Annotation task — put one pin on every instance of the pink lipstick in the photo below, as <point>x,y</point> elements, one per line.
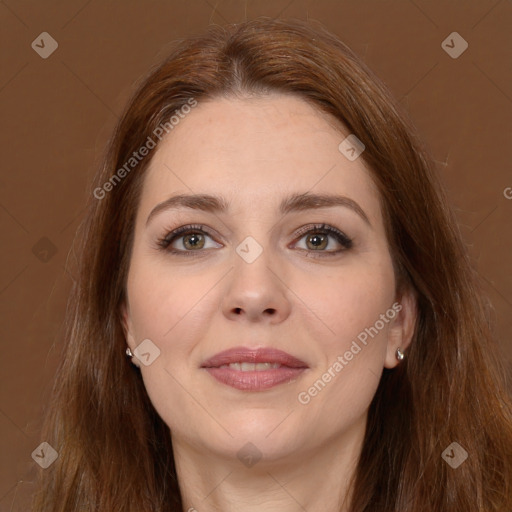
<point>254,369</point>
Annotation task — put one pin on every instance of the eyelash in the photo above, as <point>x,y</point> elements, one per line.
<point>341,238</point>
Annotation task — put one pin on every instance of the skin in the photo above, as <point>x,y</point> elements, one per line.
<point>254,151</point>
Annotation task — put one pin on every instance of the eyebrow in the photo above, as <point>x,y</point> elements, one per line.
<point>293,203</point>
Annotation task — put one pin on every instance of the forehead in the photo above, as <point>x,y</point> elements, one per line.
<point>255,151</point>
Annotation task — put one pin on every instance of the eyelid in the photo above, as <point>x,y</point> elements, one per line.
<point>345,241</point>
<point>177,233</point>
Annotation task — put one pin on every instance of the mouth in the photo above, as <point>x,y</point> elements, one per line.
<point>254,369</point>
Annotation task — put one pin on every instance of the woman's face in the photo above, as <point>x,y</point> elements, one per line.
<point>261,274</point>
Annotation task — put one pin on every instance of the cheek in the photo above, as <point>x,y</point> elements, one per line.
<point>348,301</point>
<point>161,299</point>
<point>352,305</point>
<point>173,309</point>
<point>169,310</point>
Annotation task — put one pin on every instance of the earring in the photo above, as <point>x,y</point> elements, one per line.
<point>130,354</point>
<point>399,354</point>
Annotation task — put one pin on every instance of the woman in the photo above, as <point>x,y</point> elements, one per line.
<point>269,245</point>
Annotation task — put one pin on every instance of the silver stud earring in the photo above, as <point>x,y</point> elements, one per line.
<point>129,352</point>
<point>399,354</point>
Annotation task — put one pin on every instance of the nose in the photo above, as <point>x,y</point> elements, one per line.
<point>257,291</point>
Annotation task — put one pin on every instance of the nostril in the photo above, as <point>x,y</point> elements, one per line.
<point>268,311</point>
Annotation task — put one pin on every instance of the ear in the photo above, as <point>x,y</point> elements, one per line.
<point>402,327</point>
<point>126,322</point>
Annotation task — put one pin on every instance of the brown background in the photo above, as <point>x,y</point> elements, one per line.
<point>58,112</point>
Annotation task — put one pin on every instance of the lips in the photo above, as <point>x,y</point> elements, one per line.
<point>261,355</point>
<point>254,369</point>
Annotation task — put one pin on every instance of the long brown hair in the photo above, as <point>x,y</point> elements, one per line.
<point>115,452</point>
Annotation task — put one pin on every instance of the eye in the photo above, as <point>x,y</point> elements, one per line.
<point>190,240</point>
<point>317,239</point>
<point>186,240</point>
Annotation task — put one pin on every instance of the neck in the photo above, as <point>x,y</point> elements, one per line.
<point>317,479</point>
